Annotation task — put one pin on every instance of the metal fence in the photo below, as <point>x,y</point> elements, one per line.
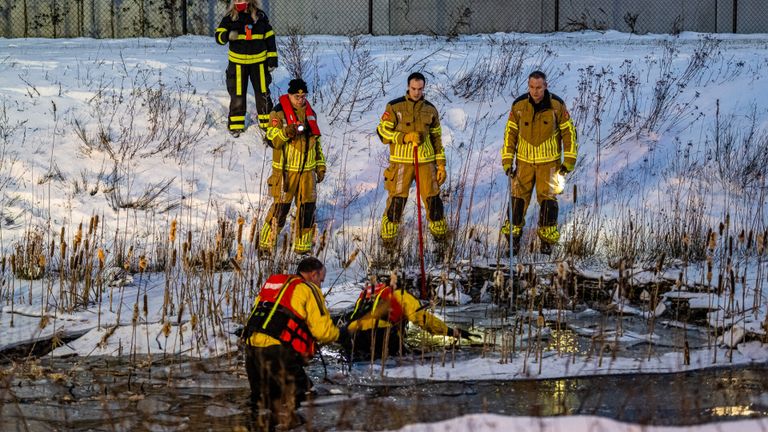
<point>158,18</point>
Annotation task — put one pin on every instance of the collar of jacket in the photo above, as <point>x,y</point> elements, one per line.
<point>545,104</point>
<point>421,99</point>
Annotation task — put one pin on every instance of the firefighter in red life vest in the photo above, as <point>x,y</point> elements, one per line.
<point>377,324</point>
<point>252,57</point>
<point>298,165</point>
<point>289,319</point>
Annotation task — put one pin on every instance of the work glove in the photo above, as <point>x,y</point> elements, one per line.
<point>509,170</point>
<point>565,168</point>
<point>465,334</point>
<point>320,174</point>
<point>233,34</point>
<point>441,175</point>
<point>290,130</point>
<point>345,339</point>
<point>412,138</point>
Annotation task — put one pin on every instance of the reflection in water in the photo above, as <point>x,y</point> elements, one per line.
<point>99,394</point>
<point>564,342</point>
<point>735,411</point>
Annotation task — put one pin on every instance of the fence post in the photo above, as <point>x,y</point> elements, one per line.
<point>370,17</point>
<point>735,15</point>
<point>184,17</point>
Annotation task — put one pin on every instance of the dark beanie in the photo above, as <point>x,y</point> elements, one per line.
<point>297,86</point>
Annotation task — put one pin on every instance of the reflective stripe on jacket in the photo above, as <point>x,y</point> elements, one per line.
<point>301,153</point>
<point>255,41</point>
<point>305,302</point>
<point>403,115</point>
<point>541,133</point>
<point>385,313</point>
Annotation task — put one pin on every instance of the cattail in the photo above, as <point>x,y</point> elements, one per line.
<point>41,261</point>
<point>240,222</point>
<point>166,328</point>
<point>252,234</point>
<point>78,235</point>
<point>713,240</point>
<point>13,263</point>
<point>135,317</point>
<point>172,235</point>
<point>323,240</point>
<point>52,248</point>
<point>760,244</point>
<point>189,238</point>
<point>173,258</point>
<point>95,222</point>
<point>101,256</point>
<point>61,235</point>
<point>240,251</point>
<point>193,321</point>
<point>143,263</point>
<point>351,258</point>
<point>145,309</point>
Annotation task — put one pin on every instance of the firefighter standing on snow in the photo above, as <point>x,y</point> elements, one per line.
<point>289,318</point>
<point>408,121</point>
<point>298,165</point>
<point>252,56</point>
<point>541,138</point>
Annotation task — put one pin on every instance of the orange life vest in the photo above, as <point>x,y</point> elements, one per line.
<point>369,300</point>
<point>273,315</point>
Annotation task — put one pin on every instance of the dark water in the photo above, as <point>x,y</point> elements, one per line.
<point>109,395</point>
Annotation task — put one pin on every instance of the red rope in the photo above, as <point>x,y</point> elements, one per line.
<point>421,236</point>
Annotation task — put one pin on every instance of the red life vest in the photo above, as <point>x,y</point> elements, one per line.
<point>273,315</point>
<point>290,115</point>
<point>369,300</point>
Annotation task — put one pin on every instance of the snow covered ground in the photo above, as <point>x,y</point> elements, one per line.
<point>672,143</point>
<point>492,422</point>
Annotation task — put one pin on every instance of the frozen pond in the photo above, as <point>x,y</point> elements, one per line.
<point>107,394</point>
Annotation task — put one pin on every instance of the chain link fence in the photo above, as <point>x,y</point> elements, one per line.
<point>163,18</point>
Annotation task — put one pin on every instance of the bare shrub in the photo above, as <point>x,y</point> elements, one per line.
<point>358,74</point>
<point>295,54</point>
<point>149,199</point>
<point>499,72</point>
<point>586,21</point>
<point>741,161</point>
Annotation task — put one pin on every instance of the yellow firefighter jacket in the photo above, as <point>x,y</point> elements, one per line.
<point>411,310</point>
<point>308,303</point>
<point>404,115</point>
<point>539,133</point>
<point>301,153</point>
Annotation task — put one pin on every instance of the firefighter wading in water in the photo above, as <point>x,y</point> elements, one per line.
<point>298,165</point>
<point>541,136</point>
<point>289,318</point>
<point>252,56</point>
<point>377,324</point>
<point>408,121</point>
